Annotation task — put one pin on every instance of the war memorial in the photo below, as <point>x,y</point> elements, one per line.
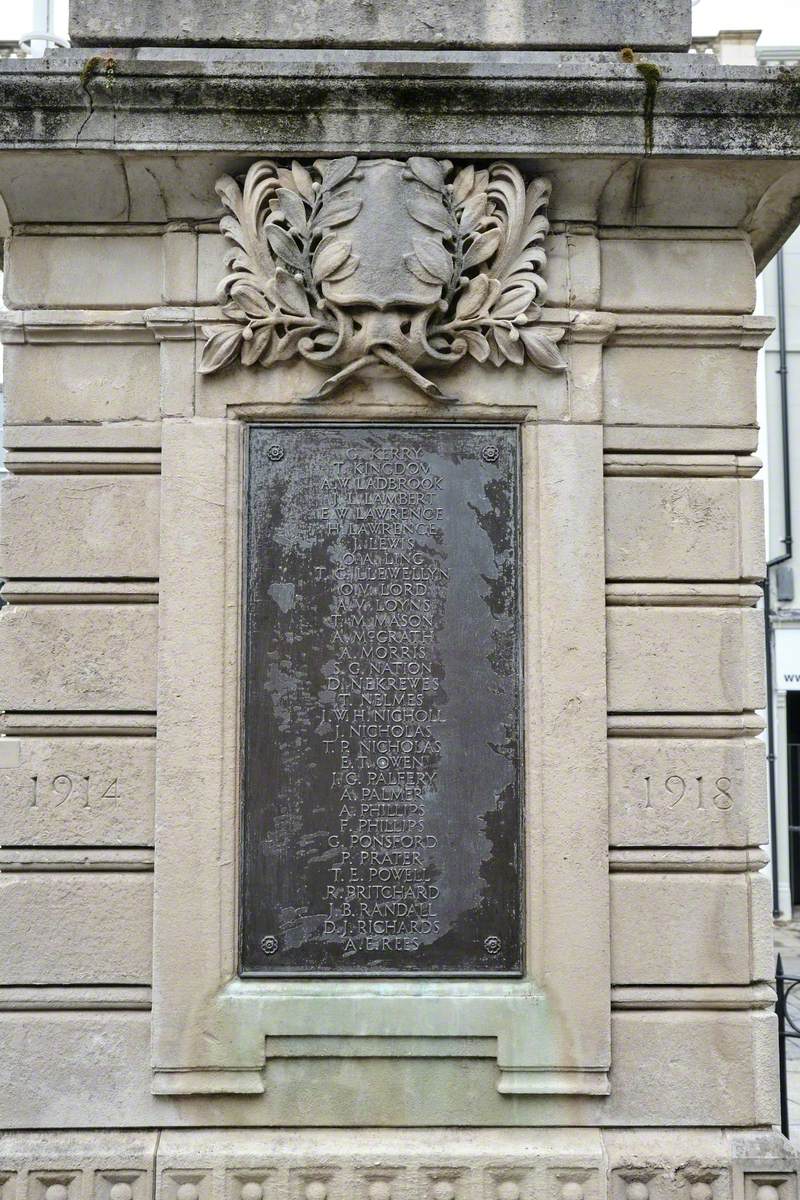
<point>382,801</point>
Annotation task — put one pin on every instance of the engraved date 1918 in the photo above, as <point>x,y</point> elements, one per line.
<point>72,787</point>
<point>692,791</point>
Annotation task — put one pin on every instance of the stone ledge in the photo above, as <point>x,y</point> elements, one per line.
<point>36,861</point>
<point>82,462</point>
<point>669,594</point>
<point>435,1164</point>
<point>511,100</point>
<point>640,464</point>
<point>68,996</point>
<point>723,997</point>
<point>43,326</point>
<point>681,725</point>
<point>79,591</point>
<point>687,860</point>
<point>67,724</point>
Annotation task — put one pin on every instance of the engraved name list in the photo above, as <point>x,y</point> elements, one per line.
<point>382,710</point>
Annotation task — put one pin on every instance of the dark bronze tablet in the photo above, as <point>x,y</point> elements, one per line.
<point>382,771</point>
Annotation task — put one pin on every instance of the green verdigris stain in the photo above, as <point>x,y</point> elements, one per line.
<point>99,66</point>
<point>651,74</point>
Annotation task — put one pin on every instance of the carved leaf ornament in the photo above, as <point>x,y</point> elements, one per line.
<point>351,262</point>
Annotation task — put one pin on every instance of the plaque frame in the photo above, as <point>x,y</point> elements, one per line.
<point>365,973</point>
<point>548,1031</point>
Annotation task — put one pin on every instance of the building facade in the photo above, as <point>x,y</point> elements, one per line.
<point>778,298</point>
<point>780,376</point>
<point>383,799</point>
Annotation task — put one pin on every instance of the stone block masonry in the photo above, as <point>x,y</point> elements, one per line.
<point>561,256</point>
<point>654,24</point>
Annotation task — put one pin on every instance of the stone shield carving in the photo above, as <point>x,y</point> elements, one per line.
<point>351,262</point>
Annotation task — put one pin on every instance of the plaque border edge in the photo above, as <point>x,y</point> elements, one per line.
<point>543,1047</point>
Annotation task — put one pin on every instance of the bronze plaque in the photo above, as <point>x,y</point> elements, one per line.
<point>382,774</point>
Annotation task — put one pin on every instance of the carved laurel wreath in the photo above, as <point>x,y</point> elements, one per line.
<point>479,252</point>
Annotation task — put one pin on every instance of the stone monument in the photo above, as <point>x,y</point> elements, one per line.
<point>381,798</point>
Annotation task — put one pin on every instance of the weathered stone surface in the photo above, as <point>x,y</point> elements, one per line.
<point>370,395</point>
<point>79,657</point>
<point>654,24</point>
<point>81,383</point>
<point>297,102</point>
<point>684,529</point>
<point>107,526</point>
<point>71,272</point>
<point>89,1164</point>
<point>91,1070</point>
<point>669,274</point>
<point>656,797</point>
<point>669,368</point>
<point>573,270</point>
<point>70,928</point>
<point>77,791</point>
<point>684,660</point>
<point>703,924</point>
<point>211,249</point>
<point>231,1164</point>
<point>761,924</point>
<point>670,385</point>
<point>742,1045</point>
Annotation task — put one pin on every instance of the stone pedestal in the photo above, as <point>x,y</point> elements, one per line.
<point>634,1057</point>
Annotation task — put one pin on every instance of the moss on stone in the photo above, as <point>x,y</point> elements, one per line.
<point>98,64</point>
<point>651,74</point>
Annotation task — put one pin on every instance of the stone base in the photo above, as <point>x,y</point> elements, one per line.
<point>492,1164</point>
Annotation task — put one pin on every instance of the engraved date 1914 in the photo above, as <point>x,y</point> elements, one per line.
<point>71,787</point>
<point>691,791</point>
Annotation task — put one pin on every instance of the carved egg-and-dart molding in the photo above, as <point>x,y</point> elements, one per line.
<point>351,262</point>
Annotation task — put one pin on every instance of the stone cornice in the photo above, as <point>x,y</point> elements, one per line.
<point>60,325</point>
<point>665,329</point>
<point>171,122</point>
<point>457,102</point>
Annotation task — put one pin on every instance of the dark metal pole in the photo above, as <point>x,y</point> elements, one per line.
<point>780,1010</point>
